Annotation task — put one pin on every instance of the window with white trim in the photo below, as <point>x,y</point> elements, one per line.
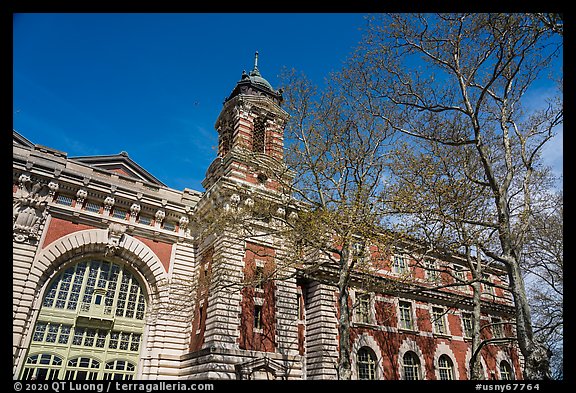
<point>467,325</point>
<point>80,307</point>
<point>486,287</point>
<point>505,370</point>
<point>405,319</point>
<point>82,367</point>
<point>439,320</point>
<point>366,363</point>
<point>400,264</point>
<point>431,270</point>
<point>411,367</point>
<point>42,366</point>
<point>119,370</point>
<point>363,307</point>
<point>459,272</point>
<point>258,324</point>
<point>497,331</point>
<point>445,368</point>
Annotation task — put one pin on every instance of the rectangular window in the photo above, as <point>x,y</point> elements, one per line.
<point>64,334</point>
<point>258,137</point>
<point>124,340</point>
<point>169,226</point>
<point>145,220</point>
<point>497,330</point>
<point>459,273</point>
<point>114,337</point>
<point>431,270</point>
<point>486,287</point>
<point>400,265</point>
<point>406,315</point>
<point>135,343</point>
<point>100,339</point>
<point>40,330</point>
<point>89,339</point>
<point>200,316</point>
<point>92,207</point>
<point>438,321</point>
<point>120,213</point>
<point>78,336</point>
<point>64,200</point>
<point>258,317</point>
<point>467,325</point>
<point>52,333</point>
<point>259,277</point>
<point>363,308</point>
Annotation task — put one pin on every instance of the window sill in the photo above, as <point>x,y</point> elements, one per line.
<point>407,331</point>
<point>365,324</point>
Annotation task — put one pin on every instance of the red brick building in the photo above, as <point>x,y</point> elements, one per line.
<point>102,251</point>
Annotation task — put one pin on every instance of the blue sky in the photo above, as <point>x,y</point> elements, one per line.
<point>153,84</point>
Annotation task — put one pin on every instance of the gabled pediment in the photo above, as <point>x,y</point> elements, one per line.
<point>261,368</point>
<point>18,139</point>
<point>120,164</point>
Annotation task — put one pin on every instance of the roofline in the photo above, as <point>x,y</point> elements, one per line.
<point>22,139</point>
<point>123,157</point>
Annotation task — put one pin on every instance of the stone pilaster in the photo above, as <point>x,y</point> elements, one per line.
<point>222,314</point>
<point>321,332</point>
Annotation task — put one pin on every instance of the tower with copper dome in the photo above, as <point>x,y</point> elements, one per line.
<point>250,327</point>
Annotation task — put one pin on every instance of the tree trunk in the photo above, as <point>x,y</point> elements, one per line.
<point>344,365</point>
<point>536,355</point>
<point>475,364</point>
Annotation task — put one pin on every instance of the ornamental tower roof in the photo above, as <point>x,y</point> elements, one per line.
<point>255,84</point>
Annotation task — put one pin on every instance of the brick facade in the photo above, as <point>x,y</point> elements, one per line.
<point>208,315</point>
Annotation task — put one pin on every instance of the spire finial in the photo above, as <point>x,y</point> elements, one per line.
<point>256,60</point>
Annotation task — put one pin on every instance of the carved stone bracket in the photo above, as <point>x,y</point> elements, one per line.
<point>115,233</point>
<point>159,217</point>
<point>29,208</point>
<point>108,203</point>
<point>81,197</point>
<point>134,210</point>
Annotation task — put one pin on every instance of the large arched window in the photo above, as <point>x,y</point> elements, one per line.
<point>366,361</point>
<point>445,368</point>
<point>119,369</point>
<point>42,366</point>
<point>505,370</point>
<point>411,366</point>
<point>90,324</point>
<point>82,367</point>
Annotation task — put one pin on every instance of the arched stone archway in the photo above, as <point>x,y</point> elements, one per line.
<point>101,250</point>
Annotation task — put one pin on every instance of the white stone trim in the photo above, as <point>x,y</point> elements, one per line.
<point>409,344</point>
<point>444,349</point>
<point>57,255</point>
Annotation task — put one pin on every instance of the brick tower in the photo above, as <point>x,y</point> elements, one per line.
<point>240,330</point>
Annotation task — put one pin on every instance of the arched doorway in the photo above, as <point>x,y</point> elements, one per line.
<point>90,325</point>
